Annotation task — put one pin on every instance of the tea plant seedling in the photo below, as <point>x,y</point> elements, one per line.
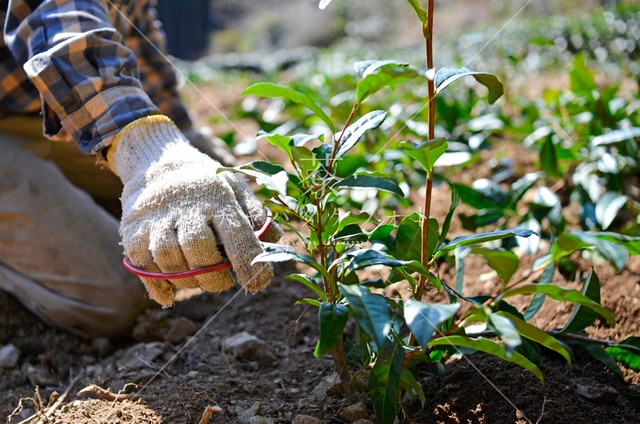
<point>394,335</point>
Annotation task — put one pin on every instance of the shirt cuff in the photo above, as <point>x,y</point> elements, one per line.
<point>92,124</point>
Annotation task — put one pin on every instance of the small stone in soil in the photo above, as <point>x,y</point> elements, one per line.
<point>325,386</point>
<point>245,346</point>
<point>9,356</point>
<point>305,419</point>
<point>245,415</point>
<point>39,375</point>
<point>597,393</point>
<point>260,420</point>
<point>352,413</point>
<point>139,355</point>
<point>180,329</point>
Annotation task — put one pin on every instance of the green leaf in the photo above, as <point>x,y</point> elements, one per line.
<point>627,352</point>
<point>302,139</point>
<point>272,254</point>
<point>364,179</point>
<point>349,218</point>
<point>323,153</point>
<point>607,208</point>
<point>333,318</point>
<point>270,90</point>
<point>276,182</point>
<point>507,331</point>
<point>580,76</point>
<point>460,254</point>
<point>426,153</point>
<point>307,301</point>
<point>475,198</point>
<point>630,243</point>
<point>382,234</point>
<point>409,237</point>
<point>616,136</point>
<point>490,347</point>
<point>582,317</point>
<point>385,382</point>
<point>364,258</point>
<point>352,233</point>
<point>330,221</point>
<point>355,131</point>
<point>372,312</point>
<point>601,355</point>
<point>564,245</point>
<point>411,386</point>
<point>537,335</point>
<point>538,299</point>
<point>520,187</point>
<point>282,142</point>
<point>377,74</point>
<point>474,239</point>
<point>305,161</point>
<point>531,351</point>
<point>609,245</point>
<point>422,14</point>
<point>268,168</point>
<point>529,246</point>
<point>548,159</point>
<point>562,294</point>
<point>446,76</point>
<point>423,319</point>
<point>504,262</point>
<point>308,282</point>
<point>446,224</point>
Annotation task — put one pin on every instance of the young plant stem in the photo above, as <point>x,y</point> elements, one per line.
<point>337,141</point>
<point>340,362</point>
<point>425,259</point>
<point>322,252</point>
<point>331,293</point>
<point>424,250</point>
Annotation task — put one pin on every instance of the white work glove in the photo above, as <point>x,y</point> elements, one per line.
<point>176,209</point>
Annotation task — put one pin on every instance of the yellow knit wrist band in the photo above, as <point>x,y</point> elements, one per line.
<point>149,120</point>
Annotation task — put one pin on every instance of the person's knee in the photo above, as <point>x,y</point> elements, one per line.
<point>111,313</point>
<point>112,319</point>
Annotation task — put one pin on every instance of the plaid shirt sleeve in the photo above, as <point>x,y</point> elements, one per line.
<point>81,57</point>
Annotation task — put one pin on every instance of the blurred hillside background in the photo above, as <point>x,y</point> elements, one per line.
<point>199,28</point>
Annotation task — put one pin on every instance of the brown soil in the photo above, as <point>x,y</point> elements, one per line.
<point>166,375</point>
<point>182,379</point>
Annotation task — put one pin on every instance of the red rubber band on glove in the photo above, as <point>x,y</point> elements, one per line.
<point>192,272</point>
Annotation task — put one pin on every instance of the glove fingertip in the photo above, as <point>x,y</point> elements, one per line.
<point>260,277</point>
<point>160,291</point>
<point>215,282</point>
<point>273,234</point>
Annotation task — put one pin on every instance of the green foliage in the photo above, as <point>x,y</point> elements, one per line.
<point>627,351</point>
<point>446,76</point>
<point>347,177</point>
<point>333,318</point>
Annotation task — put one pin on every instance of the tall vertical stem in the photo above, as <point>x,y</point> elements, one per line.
<point>429,181</point>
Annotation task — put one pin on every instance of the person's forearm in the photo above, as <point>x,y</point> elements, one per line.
<point>87,77</point>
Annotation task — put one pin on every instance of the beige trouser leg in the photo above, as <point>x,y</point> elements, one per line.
<point>59,251</point>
